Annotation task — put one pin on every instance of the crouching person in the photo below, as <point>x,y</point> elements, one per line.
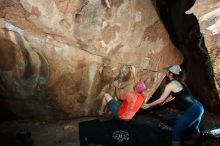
<point>128,103</point>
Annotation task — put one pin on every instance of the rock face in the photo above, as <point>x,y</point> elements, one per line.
<point>208,14</point>
<point>185,28</point>
<point>57,55</point>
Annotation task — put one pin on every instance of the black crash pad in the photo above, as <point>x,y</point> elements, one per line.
<point>142,130</point>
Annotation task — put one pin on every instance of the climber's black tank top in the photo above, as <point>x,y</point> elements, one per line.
<point>183,98</point>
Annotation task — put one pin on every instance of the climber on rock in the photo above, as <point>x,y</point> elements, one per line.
<point>128,103</point>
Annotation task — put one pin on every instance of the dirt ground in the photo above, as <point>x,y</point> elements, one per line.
<point>59,133</point>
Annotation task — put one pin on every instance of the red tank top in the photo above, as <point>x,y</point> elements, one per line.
<point>131,104</point>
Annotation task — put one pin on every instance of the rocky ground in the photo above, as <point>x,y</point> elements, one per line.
<point>25,133</point>
<point>60,133</point>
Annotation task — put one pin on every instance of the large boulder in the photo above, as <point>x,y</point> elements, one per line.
<point>57,55</point>
<point>208,14</point>
<point>183,20</point>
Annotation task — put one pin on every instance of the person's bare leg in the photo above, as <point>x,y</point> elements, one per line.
<point>105,100</point>
<point>116,98</point>
<point>175,143</point>
<point>103,105</point>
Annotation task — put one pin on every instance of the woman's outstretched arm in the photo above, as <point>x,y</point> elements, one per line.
<point>162,98</point>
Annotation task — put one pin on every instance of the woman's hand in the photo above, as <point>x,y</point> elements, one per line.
<point>145,106</point>
<point>116,84</point>
<point>132,69</point>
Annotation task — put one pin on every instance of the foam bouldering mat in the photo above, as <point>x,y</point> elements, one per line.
<point>142,130</point>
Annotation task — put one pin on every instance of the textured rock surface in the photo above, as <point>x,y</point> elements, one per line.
<point>208,14</point>
<point>56,55</point>
<point>184,27</point>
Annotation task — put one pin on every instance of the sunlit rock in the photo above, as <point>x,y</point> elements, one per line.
<point>208,14</point>
<point>56,53</point>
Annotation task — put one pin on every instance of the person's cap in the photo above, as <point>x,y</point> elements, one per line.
<point>140,87</point>
<point>175,69</point>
